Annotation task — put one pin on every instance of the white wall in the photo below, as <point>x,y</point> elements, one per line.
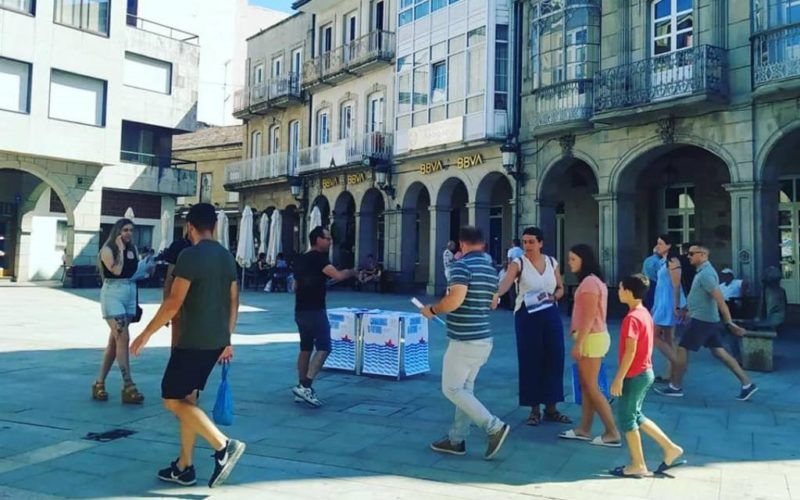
<point>44,256</point>
<point>223,27</point>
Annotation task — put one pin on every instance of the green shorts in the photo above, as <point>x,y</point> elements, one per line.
<point>629,405</point>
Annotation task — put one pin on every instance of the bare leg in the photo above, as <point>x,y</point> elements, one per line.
<point>671,450</point>
<point>664,341</point>
<point>302,364</point>
<point>110,353</point>
<point>599,401</point>
<point>637,465</point>
<point>123,359</point>
<point>196,421</point>
<point>679,366</point>
<point>721,354</point>
<point>188,438</point>
<point>316,363</point>
<point>587,410</point>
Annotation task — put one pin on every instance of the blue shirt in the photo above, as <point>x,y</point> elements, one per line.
<point>471,320</point>
<point>701,304</point>
<point>650,267</point>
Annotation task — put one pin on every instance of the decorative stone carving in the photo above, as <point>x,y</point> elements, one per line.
<point>567,143</point>
<point>666,130</point>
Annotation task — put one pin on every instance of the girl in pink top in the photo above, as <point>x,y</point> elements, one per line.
<point>592,342</point>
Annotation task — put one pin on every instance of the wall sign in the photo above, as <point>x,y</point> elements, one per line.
<point>431,167</point>
<point>461,162</point>
<point>329,182</point>
<point>356,178</point>
<point>469,161</point>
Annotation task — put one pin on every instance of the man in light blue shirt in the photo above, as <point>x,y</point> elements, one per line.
<point>515,252</point>
<point>705,303</point>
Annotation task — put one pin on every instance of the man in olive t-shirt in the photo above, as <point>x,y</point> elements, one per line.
<point>207,295</point>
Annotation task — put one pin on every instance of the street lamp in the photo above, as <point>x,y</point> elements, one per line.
<point>509,152</point>
<point>296,185</point>
<point>382,170</point>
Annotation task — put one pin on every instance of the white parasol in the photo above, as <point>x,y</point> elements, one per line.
<point>245,249</point>
<point>167,231</point>
<point>314,218</point>
<point>263,230</point>
<point>129,213</point>
<point>222,229</point>
<point>274,246</point>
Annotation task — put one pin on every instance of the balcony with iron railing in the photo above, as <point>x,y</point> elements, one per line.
<point>691,79</point>
<point>563,107</point>
<point>275,93</point>
<point>350,60</point>
<point>345,152</point>
<point>149,173</point>
<point>261,169</point>
<point>161,29</point>
<point>776,60</point>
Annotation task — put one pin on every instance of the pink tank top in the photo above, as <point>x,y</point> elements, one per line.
<point>584,316</point>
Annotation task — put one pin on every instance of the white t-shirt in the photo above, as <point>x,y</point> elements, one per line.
<point>732,290</point>
<point>514,253</point>
<point>530,280</point>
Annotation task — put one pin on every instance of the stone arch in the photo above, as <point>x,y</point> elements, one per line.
<point>371,225</point>
<point>47,178</point>
<point>415,244</point>
<point>321,201</point>
<point>765,170</point>
<point>560,164</point>
<point>448,188</point>
<point>412,195</point>
<point>494,213</point>
<point>655,147</point>
<point>343,229</point>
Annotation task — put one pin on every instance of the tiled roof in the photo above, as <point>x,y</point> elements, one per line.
<point>209,137</point>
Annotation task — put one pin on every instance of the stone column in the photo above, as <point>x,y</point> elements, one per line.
<point>753,204</point>
<point>478,215</point>
<point>616,228</point>
<point>393,242</point>
<point>439,234</point>
<point>359,244</point>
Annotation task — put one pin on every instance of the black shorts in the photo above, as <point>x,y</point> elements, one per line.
<point>699,334</point>
<point>315,330</point>
<point>187,371</point>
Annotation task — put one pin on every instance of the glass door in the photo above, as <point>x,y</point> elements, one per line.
<point>672,34</point>
<point>788,229</point>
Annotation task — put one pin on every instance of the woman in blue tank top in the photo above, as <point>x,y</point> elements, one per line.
<point>668,299</point>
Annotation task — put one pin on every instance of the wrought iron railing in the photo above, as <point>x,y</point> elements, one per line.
<point>776,54</point>
<point>261,167</point>
<point>697,70</point>
<point>151,160</point>
<point>563,102</point>
<point>282,86</point>
<point>347,151</point>
<point>372,46</point>
<point>162,29</point>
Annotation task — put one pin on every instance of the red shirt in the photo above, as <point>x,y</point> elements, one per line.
<point>638,324</point>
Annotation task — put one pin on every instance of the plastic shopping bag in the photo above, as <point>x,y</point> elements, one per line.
<point>602,381</point>
<point>223,407</point>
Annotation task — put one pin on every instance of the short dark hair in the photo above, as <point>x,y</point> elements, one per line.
<point>589,263</point>
<point>534,231</point>
<point>470,234</point>
<point>637,284</point>
<point>317,232</point>
<point>203,216</point>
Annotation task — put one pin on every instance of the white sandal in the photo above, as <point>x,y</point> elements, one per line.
<point>598,441</point>
<point>570,434</point>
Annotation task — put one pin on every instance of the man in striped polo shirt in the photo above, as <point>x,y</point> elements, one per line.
<point>472,284</point>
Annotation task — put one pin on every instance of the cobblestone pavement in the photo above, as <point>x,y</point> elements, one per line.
<point>371,438</point>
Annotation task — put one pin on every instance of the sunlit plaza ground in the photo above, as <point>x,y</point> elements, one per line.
<point>371,438</point>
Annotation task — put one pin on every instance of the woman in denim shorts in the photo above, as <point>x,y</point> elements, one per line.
<point>118,263</point>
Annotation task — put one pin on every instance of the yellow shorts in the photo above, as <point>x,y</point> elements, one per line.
<point>595,345</point>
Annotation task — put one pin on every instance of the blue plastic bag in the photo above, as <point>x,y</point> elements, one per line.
<point>223,407</point>
<point>602,381</point>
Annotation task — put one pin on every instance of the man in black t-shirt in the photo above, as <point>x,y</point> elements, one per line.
<point>311,272</point>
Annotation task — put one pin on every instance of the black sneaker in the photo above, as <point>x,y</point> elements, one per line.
<point>496,440</point>
<point>173,474</point>
<point>225,461</point>
<point>669,391</point>
<point>746,393</point>
<point>445,446</point>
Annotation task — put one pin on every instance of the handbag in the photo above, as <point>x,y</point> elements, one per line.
<point>602,381</point>
<point>138,316</point>
<point>223,406</point>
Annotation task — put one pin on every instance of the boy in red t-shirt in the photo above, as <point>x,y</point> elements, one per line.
<point>634,378</point>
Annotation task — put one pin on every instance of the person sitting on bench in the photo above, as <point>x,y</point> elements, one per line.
<point>369,271</point>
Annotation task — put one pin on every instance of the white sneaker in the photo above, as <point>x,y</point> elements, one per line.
<point>307,394</point>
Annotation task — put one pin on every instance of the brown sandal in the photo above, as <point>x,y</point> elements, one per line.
<point>557,416</point>
<point>533,419</point>
<point>99,391</point>
<point>131,395</point>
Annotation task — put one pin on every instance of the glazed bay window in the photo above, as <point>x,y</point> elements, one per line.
<point>501,67</point>
<point>86,15</point>
<point>565,54</point>
<point>776,40</point>
<point>24,6</point>
<point>439,82</point>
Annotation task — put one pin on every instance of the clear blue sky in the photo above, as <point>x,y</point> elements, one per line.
<point>282,5</point>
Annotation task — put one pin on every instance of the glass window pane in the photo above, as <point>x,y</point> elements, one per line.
<point>77,98</point>
<point>404,93</point>
<point>671,196</point>
<point>785,218</point>
<point>662,8</point>
<point>684,40</point>
<point>674,222</point>
<point>420,118</point>
<point>439,82</point>
<point>421,10</point>
<point>662,46</point>
<point>662,28</point>
<point>476,69</point>
<point>501,67</point>
<point>438,4</point>
<point>500,101</point>
<point>404,122</point>
<point>406,17</point>
<point>475,104</point>
<point>685,21</point>
<point>787,191</point>
<point>684,5</point>
<point>420,88</point>
<point>501,32</point>
<point>403,64</point>
<point>456,43</point>
<point>455,86</point>
<point>437,114</point>
<point>455,109</point>
<point>676,235</point>
<point>420,57</point>
<point>691,221</point>
<point>476,36</point>
<point>14,85</point>
<point>439,51</point>
<point>406,3</point>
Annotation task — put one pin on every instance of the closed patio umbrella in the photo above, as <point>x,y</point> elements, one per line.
<point>245,249</point>
<point>129,213</point>
<point>263,231</point>
<point>274,246</point>
<point>222,229</point>
<point>167,231</point>
<point>314,218</point>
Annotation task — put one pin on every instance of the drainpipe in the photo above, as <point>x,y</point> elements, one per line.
<point>517,106</point>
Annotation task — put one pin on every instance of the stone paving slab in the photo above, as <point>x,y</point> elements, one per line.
<point>371,439</point>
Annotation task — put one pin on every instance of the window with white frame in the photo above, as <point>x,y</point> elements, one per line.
<point>565,42</point>
<point>255,144</point>
<point>672,26</point>
<point>439,82</point>
<point>501,67</point>
<point>774,13</point>
<point>25,6</point>
<point>85,15</point>
<point>275,140</point>
<point>323,127</point>
<point>77,98</point>
<point>375,113</point>
<point>15,85</point>
<point>346,120</point>
<point>147,73</point>
<point>258,74</point>
<point>277,66</point>
<point>678,212</point>
<point>294,145</point>
<point>297,61</point>
<point>476,69</point>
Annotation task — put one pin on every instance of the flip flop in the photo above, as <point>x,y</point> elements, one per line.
<point>664,467</point>
<point>570,434</point>
<point>533,419</point>
<point>598,441</point>
<point>620,472</point>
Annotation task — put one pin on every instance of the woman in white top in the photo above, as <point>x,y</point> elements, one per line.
<point>540,333</point>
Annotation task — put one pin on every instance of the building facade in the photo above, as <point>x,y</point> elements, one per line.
<point>82,139</point>
<point>211,150</point>
<point>663,116</point>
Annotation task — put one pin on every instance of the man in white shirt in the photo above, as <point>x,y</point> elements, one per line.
<point>448,257</point>
<point>731,288</point>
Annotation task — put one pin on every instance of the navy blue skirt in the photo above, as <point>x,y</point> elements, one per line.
<point>540,356</point>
